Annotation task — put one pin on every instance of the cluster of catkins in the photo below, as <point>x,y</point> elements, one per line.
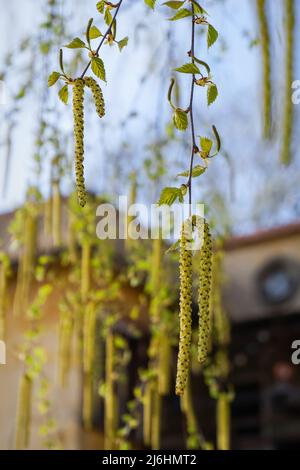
<point>185,315</point>
<point>78,112</point>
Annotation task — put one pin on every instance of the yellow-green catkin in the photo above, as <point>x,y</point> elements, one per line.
<point>288,112</point>
<point>23,413</point>
<point>78,113</point>
<point>56,214</point>
<point>48,217</point>
<point>89,341</point>
<point>185,315</point>
<point>147,413</point>
<point>111,411</point>
<point>204,295</point>
<point>26,261</point>
<point>156,418</point>
<point>65,345</point>
<point>85,268</point>
<point>188,410</point>
<point>132,200</point>
<point>4,266</point>
<point>97,95</point>
<point>223,421</point>
<point>266,61</point>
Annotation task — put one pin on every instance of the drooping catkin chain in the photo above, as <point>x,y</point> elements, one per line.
<point>65,344</point>
<point>288,116</point>
<point>89,341</point>
<point>111,410</point>
<point>85,268</point>
<point>223,422</point>
<point>147,413</point>
<point>266,60</point>
<point>164,365</point>
<point>23,413</point>
<point>78,114</point>
<point>185,315</point>
<point>204,295</point>
<point>97,95</point>
<point>156,418</point>
<point>4,265</point>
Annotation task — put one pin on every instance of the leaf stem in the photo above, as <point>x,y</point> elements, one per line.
<point>108,31</point>
<point>191,111</point>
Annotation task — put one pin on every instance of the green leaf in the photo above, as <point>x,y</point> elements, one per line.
<point>107,17</point>
<point>182,13</point>
<point>173,4</point>
<point>198,9</point>
<point>150,3</point>
<point>53,78</point>
<point>94,32</point>
<point>169,195</point>
<point>76,43</point>
<point>100,6</point>
<point>98,68</point>
<point>123,43</point>
<point>212,94</point>
<point>64,94</point>
<point>212,35</point>
<point>198,170</point>
<point>180,119</point>
<point>188,68</point>
<point>206,144</point>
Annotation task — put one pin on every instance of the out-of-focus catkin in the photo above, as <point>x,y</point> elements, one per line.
<point>185,315</point>
<point>78,113</point>
<point>288,116</point>
<point>97,95</point>
<point>23,413</point>
<point>223,421</point>
<point>266,60</point>
<point>204,295</point>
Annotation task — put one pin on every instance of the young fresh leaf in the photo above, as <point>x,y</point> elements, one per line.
<point>212,94</point>
<point>53,78</point>
<point>64,94</point>
<point>100,6</point>
<point>150,3</point>
<point>206,144</point>
<point>76,43</point>
<point>173,4</point>
<point>94,32</point>
<point>123,43</point>
<point>198,170</point>
<point>198,9</point>
<point>180,119</point>
<point>188,68</point>
<point>169,195</point>
<point>107,16</point>
<point>182,13</point>
<point>212,35</point>
<point>98,68</point>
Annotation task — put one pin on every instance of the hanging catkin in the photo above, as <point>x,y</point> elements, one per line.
<point>204,295</point>
<point>223,421</point>
<point>78,113</point>
<point>147,413</point>
<point>65,344</point>
<point>266,61</point>
<point>23,413</point>
<point>185,315</point>
<point>89,341</point>
<point>111,411</point>
<point>4,265</point>
<point>156,418</point>
<point>56,214</point>
<point>85,269</point>
<point>289,69</point>
<point>164,365</point>
<point>97,95</point>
